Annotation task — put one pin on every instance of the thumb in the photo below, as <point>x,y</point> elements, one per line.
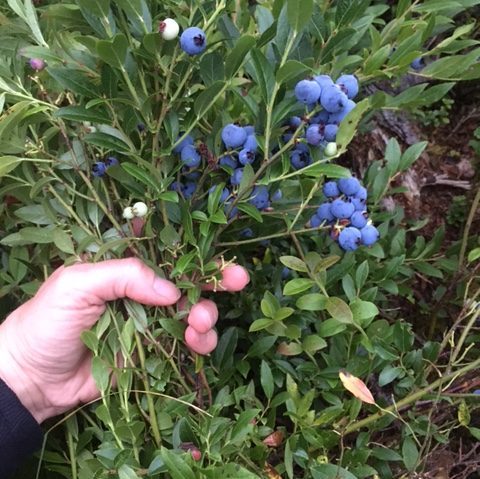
<point>92,284</point>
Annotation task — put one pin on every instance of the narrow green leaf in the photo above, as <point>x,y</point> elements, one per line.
<point>299,13</point>
<point>238,54</point>
<point>176,464</point>
<point>294,263</point>
<point>266,379</point>
<point>297,286</point>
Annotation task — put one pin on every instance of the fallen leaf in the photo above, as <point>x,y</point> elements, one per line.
<point>271,472</point>
<point>356,386</point>
<point>274,439</point>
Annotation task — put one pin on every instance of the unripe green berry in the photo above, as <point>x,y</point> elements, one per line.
<point>331,149</point>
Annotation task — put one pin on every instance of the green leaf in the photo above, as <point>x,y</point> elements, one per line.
<point>141,175</point>
<point>297,286</point>
<point>259,324</point>
<point>208,98</point>
<point>114,51</point>
<point>243,426</point>
<point>410,454</point>
<point>266,379</point>
<point>169,236</point>
<point>237,55</point>
<point>299,13</point>
<point>138,14</point>
<point>108,142</point>
<point>62,241</point>
<point>349,126</point>
<point>388,374</point>
<point>100,373</point>
<point>330,327</point>
<point>264,74</point>
<point>411,154</point>
<point>269,304</point>
<point>212,68</point>
<point>251,211</point>
<point>99,8</point>
<point>290,70</point>
<point>79,113</point>
<point>289,349</point>
<point>339,310</point>
<point>176,465</point>
<point>386,454</point>
<point>74,80</point>
<point>312,302</point>
<point>294,263</point>
<point>126,472</point>
<point>313,343</point>
<point>331,170</point>
<point>475,432</point>
<point>8,163</point>
<point>363,311</point>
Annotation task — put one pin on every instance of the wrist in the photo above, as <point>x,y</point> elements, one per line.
<point>17,378</point>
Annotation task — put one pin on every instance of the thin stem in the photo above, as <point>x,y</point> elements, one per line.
<point>468,225</point>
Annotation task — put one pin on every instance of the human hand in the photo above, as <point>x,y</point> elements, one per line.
<point>42,358</point>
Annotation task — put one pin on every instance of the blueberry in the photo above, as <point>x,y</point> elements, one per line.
<point>228,160</point>
<point>324,212</point>
<point>177,186</point>
<point>342,209</point>
<point>249,130</point>
<point>188,140</point>
<point>333,99</point>
<point>349,85</point>
<point>141,127</point>
<point>349,238</point>
<point>193,41</point>
<point>259,197</point>
<point>234,211</point>
<point>307,91</point>
<point>331,132</point>
<point>315,221</point>
<point>251,143</point>
<point>246,233</point>
<point>370,235</point>
<point>190,156</point>
<point>323,80</point>
<point>315,134</point>
<point>277,196</point>
<point>349,186</point>
<point>98,169</point>
<point>225,193</point>
<point>418,63</point>
<point>286,137</point>
<point>189,189</point>
<point>361,194</point>
<point>286,272</point>
<point>330,189</point>
<point>294,122</point>
<point>340,115</point>
<point>358,204</point>
<point>246,156</point>
<point>320,118</point>
<point>236,177</point>
<point>191,175</point>
<point>233,136</point>
<point>111,161</point>
<point>359,219</point>
<point>299,159</point>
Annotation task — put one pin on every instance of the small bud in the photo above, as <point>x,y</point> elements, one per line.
<point>196,454</point>
<point>128,213</point>
<point>331,149</point>
<point>140,209</point>
<point>169,29</point>
<point>37,64</point>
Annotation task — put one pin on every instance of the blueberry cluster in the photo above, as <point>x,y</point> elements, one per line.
<point>100,167</point>
<point>346,211</point>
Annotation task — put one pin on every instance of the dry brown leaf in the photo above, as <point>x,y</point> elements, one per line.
<point>356,386</point>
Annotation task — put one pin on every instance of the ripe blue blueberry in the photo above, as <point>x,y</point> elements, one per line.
<point>349,238</point>
<point>98,169</point>
<point>307,91</point>
<point>324,212</point>
<point>339,116</point>
<point>177,186</point>
<point>111,161</point>
<point>246,233</point>
<point>315,134</point>
<point>294,122</point>
<point>228,160</point>
<point>299,159</point>
<point>193,41</point>
<point>259,197</point>
<point>341,209</point>
<point>359,219</point>
<point>330,189</point>
<point>191,175</point>
<point>277,196</point>
<point>315,221</point>
<point>370,235</point>
<point>236,177</point>
<point>249,130</point>
<point>286,272</point>
<point>189,189</point>
<point>223,197</point>
<point>246,156</point>
<point>331,132</point>
<point>359,199</point>
<point>323,80</point>
<point>349,85</point>
<point>320,118</point>
<point>190,156</point>
<point>251,143</point>
<point>233,136</point>
<point>418,63</point>
<point>333,99</point>
<point>141,127</point>
<point>349,186</point>
<point>361,194</point>
<point>188,140</point>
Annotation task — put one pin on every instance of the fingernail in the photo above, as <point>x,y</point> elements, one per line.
<point>166,289</point>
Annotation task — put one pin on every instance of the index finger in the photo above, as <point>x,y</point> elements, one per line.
<point>234,278</point>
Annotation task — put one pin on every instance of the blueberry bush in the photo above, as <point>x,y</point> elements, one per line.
<point>191,134</point>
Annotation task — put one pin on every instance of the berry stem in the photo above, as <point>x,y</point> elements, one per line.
<point>466,231</point>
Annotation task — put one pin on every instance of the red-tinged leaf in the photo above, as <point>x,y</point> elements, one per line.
<point>271,472</point>
<point>289,349</point>
<point>274,439</point>
<point>356,386</point>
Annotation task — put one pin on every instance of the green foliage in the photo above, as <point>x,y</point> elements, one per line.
<point>283,341</point>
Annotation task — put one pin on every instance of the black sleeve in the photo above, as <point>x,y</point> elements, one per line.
<point>20,434</point>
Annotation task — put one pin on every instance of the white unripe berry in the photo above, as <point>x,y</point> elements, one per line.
<point>169,29</point>
<point>128,213</point>
<point>331,149</point>
<point>140,209</point>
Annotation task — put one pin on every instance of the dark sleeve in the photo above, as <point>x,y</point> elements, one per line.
<point>20,434</point>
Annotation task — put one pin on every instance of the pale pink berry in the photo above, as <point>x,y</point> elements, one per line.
<point>169,29</point>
